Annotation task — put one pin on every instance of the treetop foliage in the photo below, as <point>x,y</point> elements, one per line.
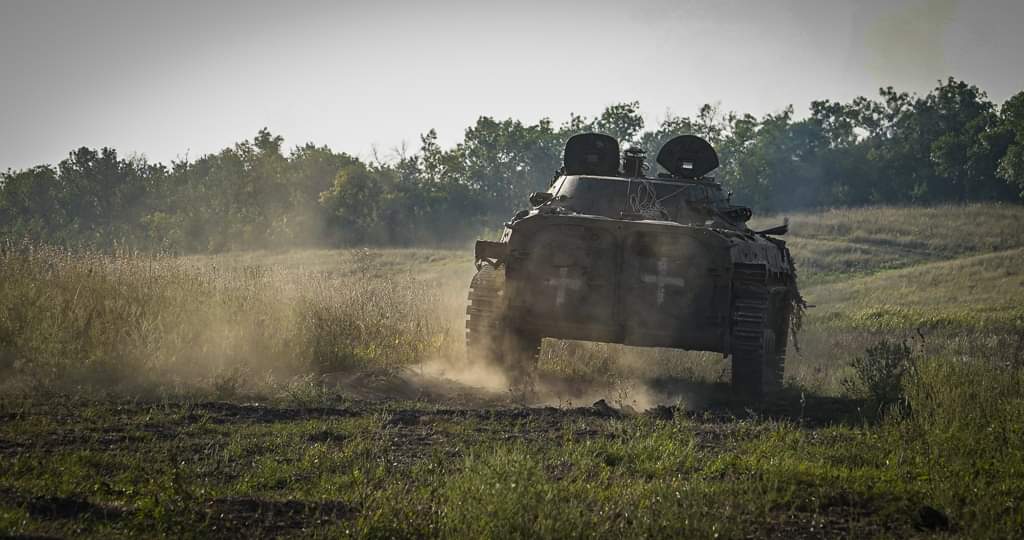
<point>949,145</point>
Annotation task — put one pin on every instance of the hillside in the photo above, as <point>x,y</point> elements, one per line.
<point>966,290</point>
<point>326,393</point>
<point>833,245</point>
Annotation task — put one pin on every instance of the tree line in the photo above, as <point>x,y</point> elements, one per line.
<point>950,145</point>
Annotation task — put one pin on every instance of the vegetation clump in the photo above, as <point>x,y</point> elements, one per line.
<point>879,375</point>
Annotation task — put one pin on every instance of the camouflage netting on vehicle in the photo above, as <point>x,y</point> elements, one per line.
<point>797,304</point>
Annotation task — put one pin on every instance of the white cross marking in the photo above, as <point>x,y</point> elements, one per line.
<point>563,282</point>
<point>662,280</point>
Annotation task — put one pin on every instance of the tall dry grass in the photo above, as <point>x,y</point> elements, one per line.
<point>129,321</point>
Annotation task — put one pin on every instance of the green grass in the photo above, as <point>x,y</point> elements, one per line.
<point>834,245</point>
<point>290,394</point>
<point>411,469</point>
<point>972,291</point>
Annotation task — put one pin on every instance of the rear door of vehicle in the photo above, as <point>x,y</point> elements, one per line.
<point>569,275</point>
<point>665,290</point>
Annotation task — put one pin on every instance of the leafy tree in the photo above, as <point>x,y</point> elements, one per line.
<point>355,203</point>
<point>950,144</point>
<point>960,116</point>
<point>1011,165</point>
<point>503,162</point>
<point>102,196</point>
<point>310,171</point>
<point>30,205</point>
<point>622,121</point>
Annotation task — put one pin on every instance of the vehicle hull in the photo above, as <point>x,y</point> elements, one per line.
<point>642,283</point>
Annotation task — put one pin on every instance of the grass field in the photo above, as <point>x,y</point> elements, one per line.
<point>326,394</point>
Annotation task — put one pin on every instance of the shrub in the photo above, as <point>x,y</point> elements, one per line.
<point>879,375</point>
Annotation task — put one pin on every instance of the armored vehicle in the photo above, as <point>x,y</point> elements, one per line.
<point>609,254</point>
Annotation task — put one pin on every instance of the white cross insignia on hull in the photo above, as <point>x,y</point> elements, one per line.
<point>662,279</point>
<point>563,282</point>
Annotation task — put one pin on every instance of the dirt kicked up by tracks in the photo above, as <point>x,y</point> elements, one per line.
<point>451,460</point>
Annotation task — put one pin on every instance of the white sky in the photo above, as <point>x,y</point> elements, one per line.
<point>168,78</point>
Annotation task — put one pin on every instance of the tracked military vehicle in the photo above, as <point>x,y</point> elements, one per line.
<point>609,254</point>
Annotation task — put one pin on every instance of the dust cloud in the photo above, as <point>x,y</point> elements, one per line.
<point>631,380</point>
<point>568,374</point>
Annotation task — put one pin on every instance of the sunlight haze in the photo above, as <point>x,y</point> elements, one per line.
<point>170,79</point>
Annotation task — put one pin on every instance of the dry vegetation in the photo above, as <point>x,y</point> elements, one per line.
<point>163,324</point>
<point>311,394</point>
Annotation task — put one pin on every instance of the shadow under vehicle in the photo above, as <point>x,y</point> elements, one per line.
<point>608,254</point>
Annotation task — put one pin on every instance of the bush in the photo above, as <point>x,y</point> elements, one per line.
<point>879,375</point>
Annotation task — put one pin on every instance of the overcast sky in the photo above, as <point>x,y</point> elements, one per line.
<point>168,78</point>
